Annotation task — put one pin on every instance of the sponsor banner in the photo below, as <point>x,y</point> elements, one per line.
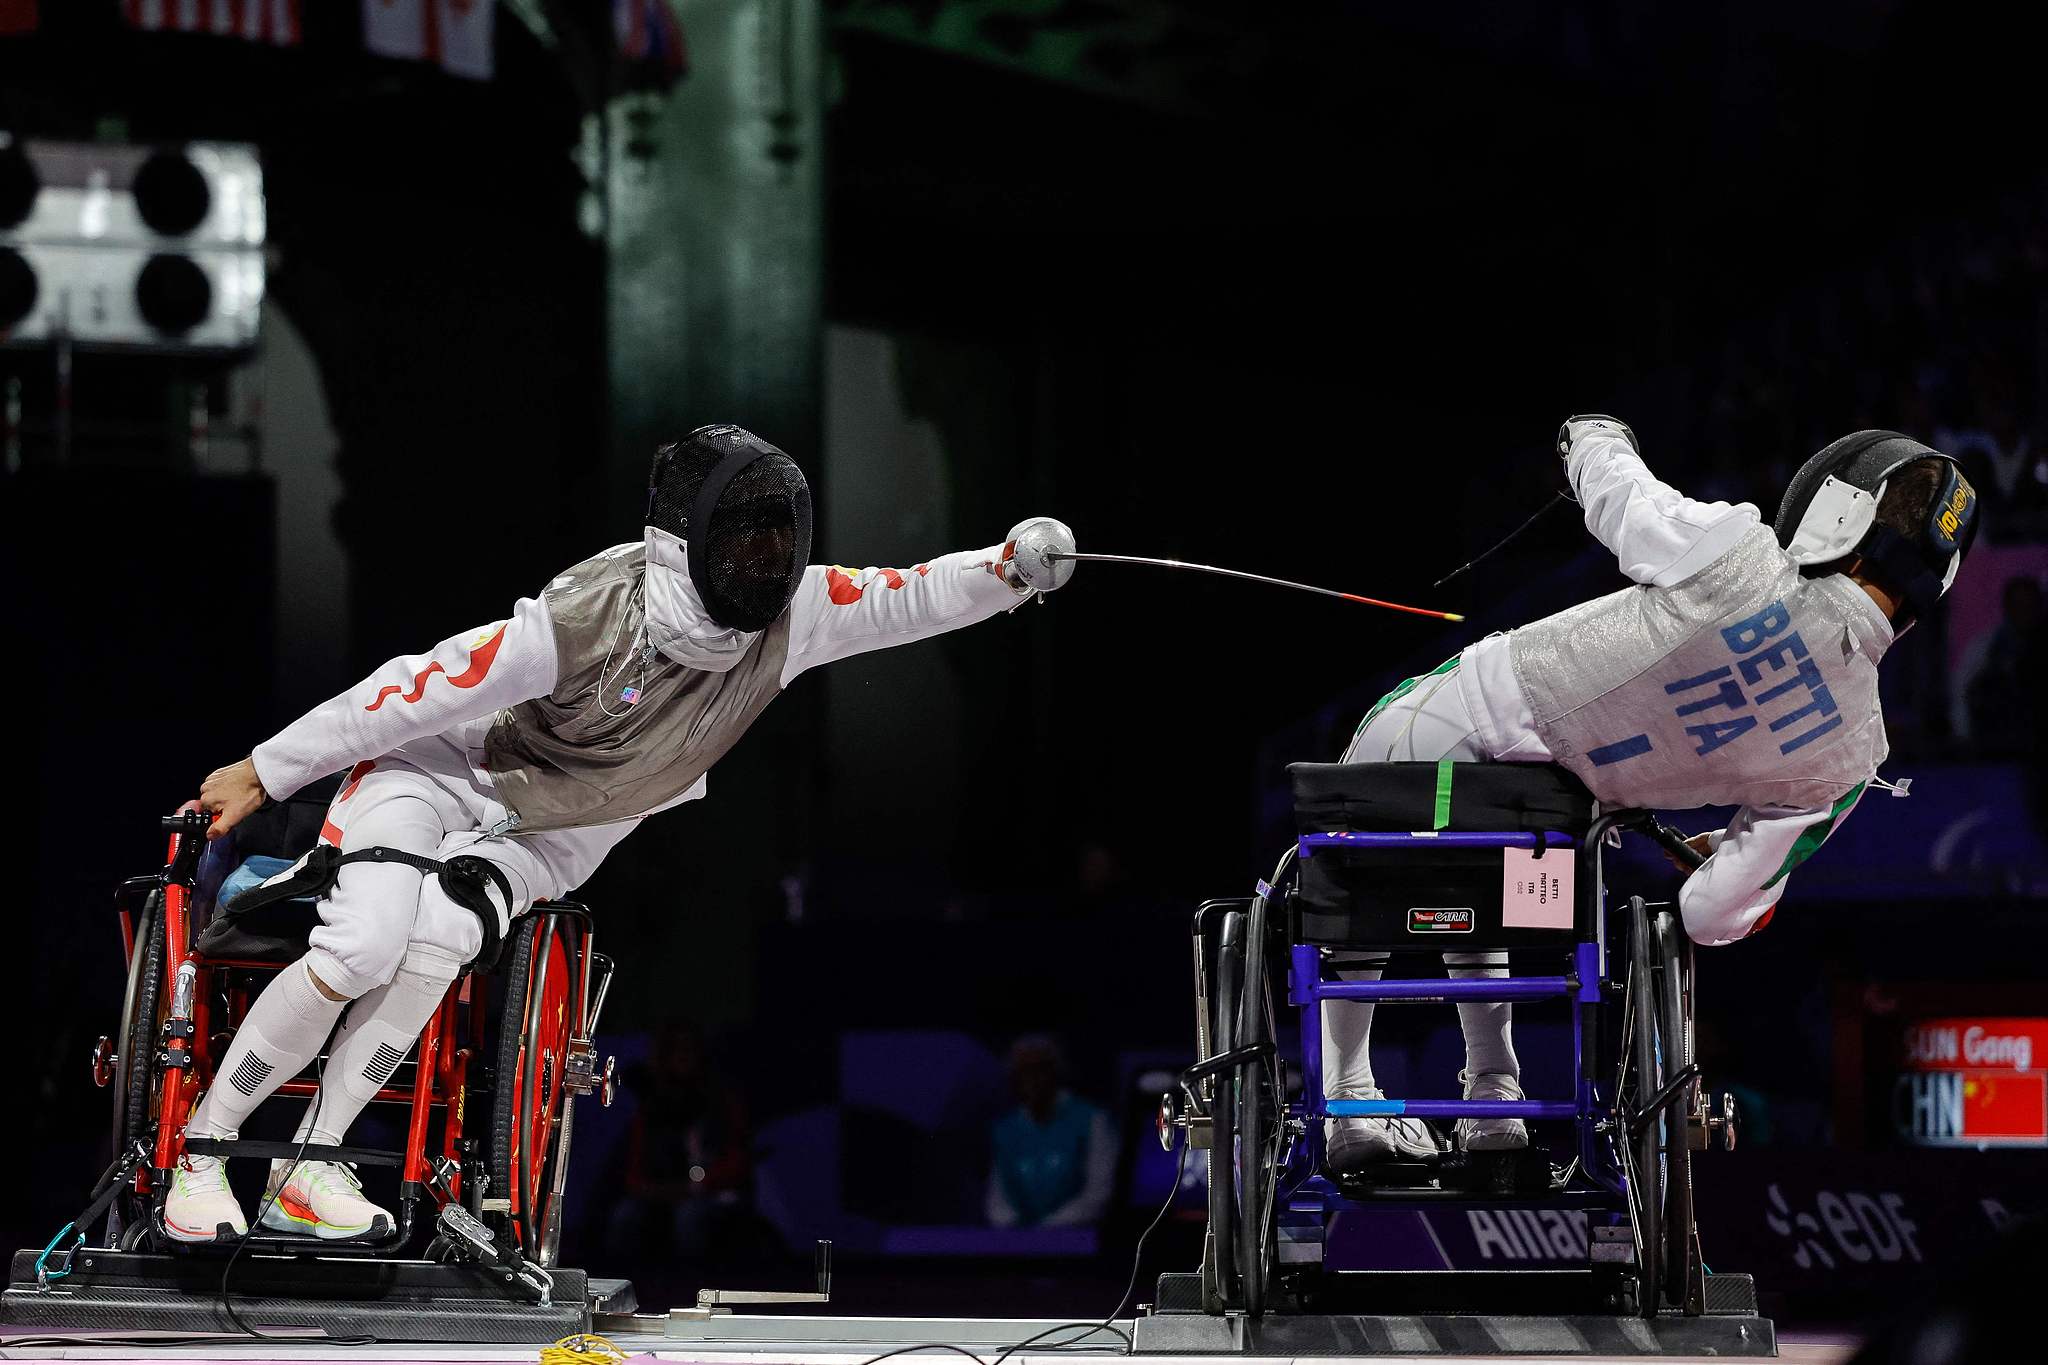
<point>1823,1231</point>
<point>1460,1237</point>
<point>1507,1239</point>
<point>1439,919</point>
<point>1831,1228</point>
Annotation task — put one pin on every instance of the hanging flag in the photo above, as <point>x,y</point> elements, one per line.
<point>651,47</point>
<point>259,21</point>
<point>456,34</point>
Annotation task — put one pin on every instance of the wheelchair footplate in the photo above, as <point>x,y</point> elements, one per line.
<point>1524,1172</point>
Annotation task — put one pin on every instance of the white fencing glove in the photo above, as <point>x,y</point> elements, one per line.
<point>1574,429</point>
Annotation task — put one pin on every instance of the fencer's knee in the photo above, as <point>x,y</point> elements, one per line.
<point>442,962</point>
<point>321,985</point>
<point>353,971</point>
<point>447,936</point>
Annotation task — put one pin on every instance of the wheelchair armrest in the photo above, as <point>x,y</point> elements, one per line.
<point>1646,823</point>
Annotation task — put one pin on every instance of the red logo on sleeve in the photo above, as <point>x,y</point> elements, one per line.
<point>480,656</point>
<point>844,592</point>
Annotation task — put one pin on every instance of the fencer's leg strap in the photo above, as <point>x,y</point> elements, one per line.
<point>464,879</point>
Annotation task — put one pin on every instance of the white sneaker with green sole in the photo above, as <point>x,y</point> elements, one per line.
<point>200,1207</point>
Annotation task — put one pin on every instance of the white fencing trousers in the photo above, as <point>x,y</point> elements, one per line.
<point>375,910</point>
<point>1428,721</point>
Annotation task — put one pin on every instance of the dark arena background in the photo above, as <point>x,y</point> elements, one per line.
<point>1301,290</point>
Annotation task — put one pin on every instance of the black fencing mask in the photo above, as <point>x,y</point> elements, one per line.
<point>1830,511</point>
<point>743,511</point>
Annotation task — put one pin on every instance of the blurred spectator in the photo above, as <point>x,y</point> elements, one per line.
<point>1998,693</point>
<point>1055,1153</point>
<point>688,1162</point>
<point>1997,453</point>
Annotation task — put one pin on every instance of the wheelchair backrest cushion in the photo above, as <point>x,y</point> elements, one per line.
<point>1367,898</point>
<point>281,829</point>
<point>286,829</point>
<point>274,933</point>
<point>1404,797</point>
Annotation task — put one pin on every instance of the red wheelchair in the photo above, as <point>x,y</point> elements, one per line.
<point>486,1093</point>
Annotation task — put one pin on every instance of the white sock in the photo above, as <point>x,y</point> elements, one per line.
<point>283,1032</point>
<point>1488,1046</point>
<point>1347,1038</point>
<point>379,1031</point>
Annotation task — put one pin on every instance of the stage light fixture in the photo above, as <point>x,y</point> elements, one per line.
<point>17,289</point>
<point>18,184</point>
<point>153,249</point>
<point>173,294</point>
<point>171,193</point>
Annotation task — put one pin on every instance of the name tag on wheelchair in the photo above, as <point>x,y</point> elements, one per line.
<point>1536,893</point>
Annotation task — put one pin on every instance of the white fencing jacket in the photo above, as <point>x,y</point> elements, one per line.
<point>1663,539</point>
<point>453,695</point>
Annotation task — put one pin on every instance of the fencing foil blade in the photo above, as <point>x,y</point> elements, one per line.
<point>1256,578</point>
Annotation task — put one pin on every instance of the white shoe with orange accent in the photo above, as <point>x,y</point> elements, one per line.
<point>200,1207</point>
<point>322,1199</point>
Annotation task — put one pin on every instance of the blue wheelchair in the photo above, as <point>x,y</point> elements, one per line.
<point>1400,857</point>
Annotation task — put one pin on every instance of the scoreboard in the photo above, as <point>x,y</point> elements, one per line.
<point>1971,1081</point>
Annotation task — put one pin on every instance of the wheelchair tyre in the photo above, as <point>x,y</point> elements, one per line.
<point>1646,1173</point>
<point>141,1020</point>
<point>1674,953</point>
<point>1220,1274</point>
<point>1257,1122</point>
<point>528,1097</point>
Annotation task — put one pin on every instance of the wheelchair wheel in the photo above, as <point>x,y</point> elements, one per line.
<point>1219,1268</point>
<point>1674,956</point>
<point>142,1010</point>
<point>529,1096</point>
<point>1646,1167</point>
<point>1258,1120</point>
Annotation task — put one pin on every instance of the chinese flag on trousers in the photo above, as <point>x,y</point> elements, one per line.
<point>454,33</point>
<point>266,21</point>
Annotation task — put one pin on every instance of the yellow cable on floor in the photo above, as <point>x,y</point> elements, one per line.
<point>585,1348</point>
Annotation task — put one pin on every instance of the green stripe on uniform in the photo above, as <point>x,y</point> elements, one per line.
<point>1812,838</point>
<point>1403,689</point>
<point>1443,793</point>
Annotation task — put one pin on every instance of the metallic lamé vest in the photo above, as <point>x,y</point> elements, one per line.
<point>580,756</point>
<point>1743,685</point>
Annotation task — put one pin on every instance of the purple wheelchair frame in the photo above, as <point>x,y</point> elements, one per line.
<point>1582,985</point>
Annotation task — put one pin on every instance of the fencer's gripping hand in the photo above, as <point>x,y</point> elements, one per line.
<point>1702,844</point>
<point>1575,429</point>
<point>1028,565</point>
<point>231,795</point>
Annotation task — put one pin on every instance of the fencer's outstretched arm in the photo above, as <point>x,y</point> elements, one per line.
<point>1731,894</point>
<point>840,612</point>
<point>463,678</point>
<point>1659,536</point>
